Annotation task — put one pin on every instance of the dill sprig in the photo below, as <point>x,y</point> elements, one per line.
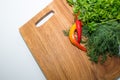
<point>105,40</point>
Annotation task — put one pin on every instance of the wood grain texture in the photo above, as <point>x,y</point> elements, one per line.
<point>56,56</point>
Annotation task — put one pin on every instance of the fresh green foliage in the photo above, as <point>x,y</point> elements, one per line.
<point>66,32</point>
<point>96,11</point>
<point>101,24</point>
<point>105,40</point>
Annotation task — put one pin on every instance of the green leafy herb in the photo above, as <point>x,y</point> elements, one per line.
<point>96,11</point>
<point>66,32</point>
<point>105,40</point>
<point>101,24</point>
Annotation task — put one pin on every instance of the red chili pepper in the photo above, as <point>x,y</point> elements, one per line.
<point>73,39</point>
<point>79,30</point>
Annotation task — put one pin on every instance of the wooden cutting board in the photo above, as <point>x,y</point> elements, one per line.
<point>55,55</point>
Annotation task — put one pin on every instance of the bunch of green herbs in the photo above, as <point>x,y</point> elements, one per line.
<point>101,24</point>
<point>104,41</point>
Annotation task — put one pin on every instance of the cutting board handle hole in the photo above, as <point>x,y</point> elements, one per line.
<point>44,19</point>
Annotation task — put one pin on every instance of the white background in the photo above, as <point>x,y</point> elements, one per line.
<point>16,61</point>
